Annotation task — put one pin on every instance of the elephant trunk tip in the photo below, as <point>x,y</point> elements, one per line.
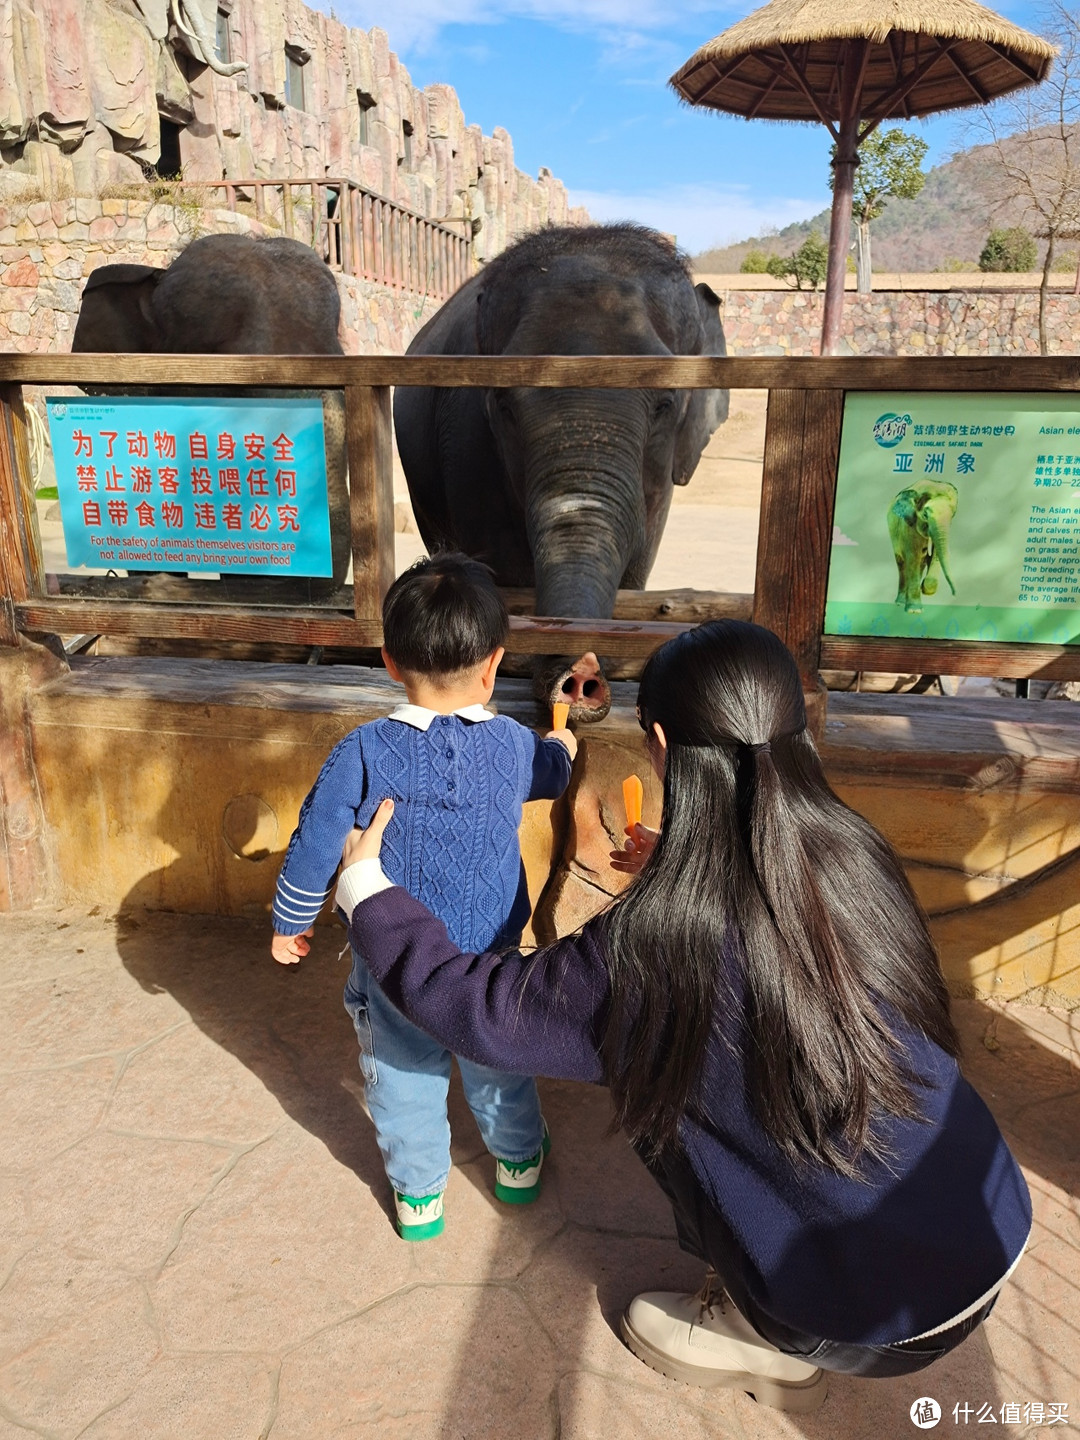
<point>581,684</point>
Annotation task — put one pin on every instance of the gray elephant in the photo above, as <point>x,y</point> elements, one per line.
<point>564,489</point>
<point>230,295</point>
<point>919,520</point>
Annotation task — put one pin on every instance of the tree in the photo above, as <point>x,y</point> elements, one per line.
<point>890,164</point>
<point>1009,250</point>
<point>755,262</point>
<point>808,266</point>
<point>1033,136</point>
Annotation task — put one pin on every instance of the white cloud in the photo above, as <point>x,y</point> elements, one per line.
<point>700,216</point>
<point>415,24</point>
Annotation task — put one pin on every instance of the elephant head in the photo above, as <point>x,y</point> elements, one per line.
<point>919,520</point>
<point>592,471</point>
<point>116,313</point>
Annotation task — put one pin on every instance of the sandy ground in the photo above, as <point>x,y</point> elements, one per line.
<point>195,1241</point>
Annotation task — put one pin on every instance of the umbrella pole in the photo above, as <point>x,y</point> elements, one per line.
<point>847,157</point>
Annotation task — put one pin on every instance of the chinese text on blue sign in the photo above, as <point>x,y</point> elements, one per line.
<point>164,483</point>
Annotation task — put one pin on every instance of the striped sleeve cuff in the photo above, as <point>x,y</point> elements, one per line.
<point>294,909</point>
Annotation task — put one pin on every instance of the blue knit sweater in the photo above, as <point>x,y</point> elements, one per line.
<point>458,788</point>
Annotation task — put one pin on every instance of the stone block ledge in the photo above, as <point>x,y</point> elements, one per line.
<point>175,784</point>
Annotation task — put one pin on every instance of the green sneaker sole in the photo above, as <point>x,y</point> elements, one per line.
<point>423,1232</point>
<point>511,1196</point>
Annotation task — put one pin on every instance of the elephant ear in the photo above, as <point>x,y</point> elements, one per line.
<point>708,409</point>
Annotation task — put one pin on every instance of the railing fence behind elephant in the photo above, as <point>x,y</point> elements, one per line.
<point>802,445</point>
<point>357,231</point>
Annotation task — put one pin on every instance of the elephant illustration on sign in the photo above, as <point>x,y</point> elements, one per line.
<point>919,521</point>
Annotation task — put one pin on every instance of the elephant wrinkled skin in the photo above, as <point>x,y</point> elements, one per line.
<point>564,489</point>
<point>919,520</point>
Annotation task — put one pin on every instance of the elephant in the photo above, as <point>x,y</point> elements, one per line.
<point>564,489</point>
<point>919,520</point>
<point>230,295</point>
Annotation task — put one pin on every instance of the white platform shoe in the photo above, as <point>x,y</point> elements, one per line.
<point>703,1340</point>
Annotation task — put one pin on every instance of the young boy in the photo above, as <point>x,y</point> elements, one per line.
<point>458,775</point>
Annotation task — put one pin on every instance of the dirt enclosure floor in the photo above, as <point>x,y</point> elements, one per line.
<point>195,1241</point>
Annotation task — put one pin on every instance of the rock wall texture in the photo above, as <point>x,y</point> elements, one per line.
<point>274,90</point>
<point>979,322</point>
<point>49,247</point>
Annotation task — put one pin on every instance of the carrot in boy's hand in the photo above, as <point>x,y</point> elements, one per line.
<point>559,714</point>
<point>633,793</point>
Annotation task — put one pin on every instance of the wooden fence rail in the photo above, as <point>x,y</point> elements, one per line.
<point>799,484</point>
<point>358,231</point>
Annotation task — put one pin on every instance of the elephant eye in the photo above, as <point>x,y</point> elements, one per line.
<point>664,403</point>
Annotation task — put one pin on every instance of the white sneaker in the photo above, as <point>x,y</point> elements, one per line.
<point>704,1340</point>
<point>419,1219</point>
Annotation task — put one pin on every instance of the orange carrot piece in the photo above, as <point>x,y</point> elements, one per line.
<point>633,793</point>
<point>559,714</point>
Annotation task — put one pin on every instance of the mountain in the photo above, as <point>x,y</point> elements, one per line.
<point>943,228</point>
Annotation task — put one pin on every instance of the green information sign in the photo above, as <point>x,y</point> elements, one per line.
<point>958,518</point>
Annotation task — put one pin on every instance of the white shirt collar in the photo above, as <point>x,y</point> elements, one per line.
<point>420,718</point>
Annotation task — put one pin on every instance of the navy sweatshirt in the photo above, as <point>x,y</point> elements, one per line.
<point>869,1262</point>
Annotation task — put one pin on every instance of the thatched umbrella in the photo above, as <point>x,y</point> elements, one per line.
<point>851,64</point>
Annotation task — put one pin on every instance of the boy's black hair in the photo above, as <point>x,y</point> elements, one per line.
<point>443,615</point>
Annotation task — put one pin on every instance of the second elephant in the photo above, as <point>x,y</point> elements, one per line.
<point>919,520</point>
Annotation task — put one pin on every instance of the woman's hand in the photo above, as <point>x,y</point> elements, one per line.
<point>636,851</point>
<point>366,844</point>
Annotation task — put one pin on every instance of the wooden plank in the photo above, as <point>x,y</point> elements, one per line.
<point>950,657</point>
<point>13,568</point>
<point>31,535</point>
<point>528,636</point>
<point>777,536</point>
<point>369,439</point>
<point>813,529</point>
<point>690,606</point>
<point>949,373</point>
<point>237,587</point>
<point>287,627</point>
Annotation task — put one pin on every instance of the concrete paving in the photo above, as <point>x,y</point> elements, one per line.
<point>195,1237</point>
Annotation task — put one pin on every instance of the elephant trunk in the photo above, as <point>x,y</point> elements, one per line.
<point>585,516</point>
<point>196,30</point>
<point>939,537</point>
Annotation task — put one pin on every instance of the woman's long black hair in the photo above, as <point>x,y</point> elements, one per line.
<point>759,865</point>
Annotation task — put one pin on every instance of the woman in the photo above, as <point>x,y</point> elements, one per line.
<point>765,1004</point>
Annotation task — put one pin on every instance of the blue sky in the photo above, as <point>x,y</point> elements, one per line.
<point>581,86</point>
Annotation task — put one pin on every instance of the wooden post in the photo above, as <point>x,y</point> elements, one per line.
<point>13,559</point>
<point>368,432</point>
<point>802,447</point>
<point>287,207</point>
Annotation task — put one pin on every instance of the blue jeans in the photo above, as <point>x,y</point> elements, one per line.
<point>406,1077</point>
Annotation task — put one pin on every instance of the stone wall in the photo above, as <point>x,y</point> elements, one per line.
<point>48,248</point>
<point>82,105</point>
<point>983,322</point>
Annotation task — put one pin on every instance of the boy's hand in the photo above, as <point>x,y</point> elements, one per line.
<point>290,949</point>
<point>564,737</point>
<point>636,851</point>
<point>366,844</point>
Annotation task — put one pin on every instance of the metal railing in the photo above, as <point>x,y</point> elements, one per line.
<point>357,231</point>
